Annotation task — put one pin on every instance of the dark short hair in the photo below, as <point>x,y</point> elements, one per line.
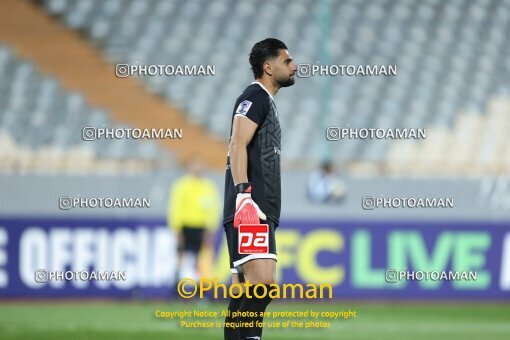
<point>263,50</point>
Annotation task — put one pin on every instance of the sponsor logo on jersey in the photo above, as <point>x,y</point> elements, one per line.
<point>244,107</point>
<point>253,239</point>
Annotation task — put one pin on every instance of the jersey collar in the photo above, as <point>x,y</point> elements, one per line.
<point>260,84</point>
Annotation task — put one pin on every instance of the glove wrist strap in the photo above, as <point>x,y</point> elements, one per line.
<point>243,188</point>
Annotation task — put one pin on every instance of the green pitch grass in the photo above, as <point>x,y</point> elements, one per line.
<point>137,320</point>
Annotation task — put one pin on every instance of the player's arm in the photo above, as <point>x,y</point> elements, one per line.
<point>247,211</point>
<point>243,130</point>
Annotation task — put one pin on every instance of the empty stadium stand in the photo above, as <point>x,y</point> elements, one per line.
<point>41,128</point>
<point>452,64</point>
<point>56,52</point>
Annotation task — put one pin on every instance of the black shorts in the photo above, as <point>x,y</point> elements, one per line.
<point>192,239</point>
<point>237,259</point>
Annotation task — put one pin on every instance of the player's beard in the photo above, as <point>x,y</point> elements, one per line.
<point>286,82</point>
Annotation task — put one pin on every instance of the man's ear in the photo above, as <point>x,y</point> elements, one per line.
<point>268,69</point>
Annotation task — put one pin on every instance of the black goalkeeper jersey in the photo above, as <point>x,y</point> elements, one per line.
<point>256,104</point>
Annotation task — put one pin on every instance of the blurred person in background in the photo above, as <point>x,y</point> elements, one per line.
<point>194,215</point>
<point>325,185</point>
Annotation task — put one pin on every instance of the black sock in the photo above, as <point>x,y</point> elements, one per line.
<point>232,333</point>
<point>253,308</point>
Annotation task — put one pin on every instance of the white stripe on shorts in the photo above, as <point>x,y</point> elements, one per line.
<point>253,257</point>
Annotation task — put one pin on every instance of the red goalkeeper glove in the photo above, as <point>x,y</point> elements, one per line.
<point>247,211</point>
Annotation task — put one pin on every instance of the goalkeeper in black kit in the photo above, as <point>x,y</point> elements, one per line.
<point>252,182</point>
